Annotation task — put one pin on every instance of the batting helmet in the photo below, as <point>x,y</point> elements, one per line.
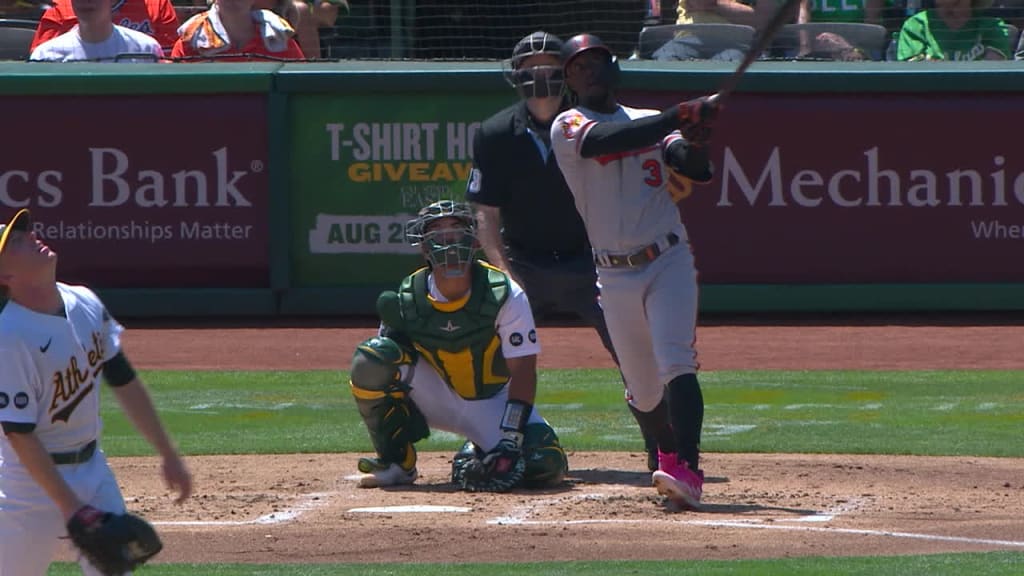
<point>587,42</point>
<point>448,248</point>
<point>535,81</point>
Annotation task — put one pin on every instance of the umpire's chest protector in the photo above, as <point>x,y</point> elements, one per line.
<point>460,341</point>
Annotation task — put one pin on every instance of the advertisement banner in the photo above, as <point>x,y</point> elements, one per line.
<point>872,188</point>
<point>143,191</point>
<point>362,165</point>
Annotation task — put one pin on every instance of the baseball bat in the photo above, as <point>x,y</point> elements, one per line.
<point>762,39</point>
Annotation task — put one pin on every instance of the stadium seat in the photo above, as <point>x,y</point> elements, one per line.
<point>715,37</point>
<point>16,39</point>
<point>872,39</point>
<point>19,23</point>
<point>1013,33</point>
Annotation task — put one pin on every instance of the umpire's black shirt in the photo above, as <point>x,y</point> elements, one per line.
<point>538,214</point>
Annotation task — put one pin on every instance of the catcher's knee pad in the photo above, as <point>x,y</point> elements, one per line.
<point>546,464</point>
<point>377,366</point>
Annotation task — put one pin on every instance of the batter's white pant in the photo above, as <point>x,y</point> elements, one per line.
<point>32,527</point>
<point>651,314</point>
<point>478,420</point>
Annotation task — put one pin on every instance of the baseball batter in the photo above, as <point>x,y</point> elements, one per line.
<point>618,162</point>
<point>457,351</point>
<point>55,343</point>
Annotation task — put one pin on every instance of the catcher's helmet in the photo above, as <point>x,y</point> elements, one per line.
<point>448,248</point>
<point>587,42</point>
<point>535,81</point>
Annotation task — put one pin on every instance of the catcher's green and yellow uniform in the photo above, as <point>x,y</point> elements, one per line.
<point>440,364</point>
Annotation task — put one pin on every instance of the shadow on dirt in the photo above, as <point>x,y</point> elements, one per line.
<point>739,509</point>
<point>605,476</point>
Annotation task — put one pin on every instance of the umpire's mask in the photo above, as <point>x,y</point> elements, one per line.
<point>535,77</point>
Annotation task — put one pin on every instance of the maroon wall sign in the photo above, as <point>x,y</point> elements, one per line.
<point>860,189</point>
<point>144,191</point>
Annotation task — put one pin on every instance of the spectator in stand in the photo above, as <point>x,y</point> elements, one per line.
<point>326,15</point>
<point>154,17</point>
<point>724,12</point>
<point>232,28</point>
<point>952,31</point>
<point>22,9</point>
<point>96,38</point>
<point>687,46</point>
<point>300,15</point>
<point>829,45</point>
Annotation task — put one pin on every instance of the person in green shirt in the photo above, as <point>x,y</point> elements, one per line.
<point>952,31</point>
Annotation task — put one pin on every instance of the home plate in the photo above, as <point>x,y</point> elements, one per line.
<point>408,509</point>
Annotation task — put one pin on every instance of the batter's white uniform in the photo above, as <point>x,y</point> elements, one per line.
<point>651,309</point>
<point>50,370</point>
<point>477,420</point>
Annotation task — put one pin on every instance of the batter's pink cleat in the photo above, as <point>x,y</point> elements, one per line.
<point>675,480</point>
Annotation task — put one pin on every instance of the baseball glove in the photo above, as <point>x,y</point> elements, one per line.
<point>500,470</point>
<point>113,543</point>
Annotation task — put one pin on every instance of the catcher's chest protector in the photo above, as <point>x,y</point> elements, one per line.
<point>462,345</point>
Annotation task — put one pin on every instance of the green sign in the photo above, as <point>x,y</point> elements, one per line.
<point>362,165</point>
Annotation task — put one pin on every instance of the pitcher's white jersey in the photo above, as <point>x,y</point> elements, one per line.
<point>51,367</point>
<point>622,198</point>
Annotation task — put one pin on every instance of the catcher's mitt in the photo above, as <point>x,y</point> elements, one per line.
<point>500,470</point>
<point>113,543</point>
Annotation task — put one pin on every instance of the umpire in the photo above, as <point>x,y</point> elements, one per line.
<point>526,217</point>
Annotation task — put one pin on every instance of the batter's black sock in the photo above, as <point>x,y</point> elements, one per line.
<point>686,412</point>
<point>650,443</point>
<point>655,426</point>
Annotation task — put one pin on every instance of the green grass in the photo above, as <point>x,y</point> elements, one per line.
<point>926,413</point>
<point>976,564</point>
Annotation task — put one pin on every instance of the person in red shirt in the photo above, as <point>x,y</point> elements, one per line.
<point>232,29</point>
<point>154,17</point>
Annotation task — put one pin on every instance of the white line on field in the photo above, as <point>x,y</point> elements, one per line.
<point>912,535</point>
<point>755,524</point>
<point>851,505</point>
<point>520,514</point>
<point>309,502</point>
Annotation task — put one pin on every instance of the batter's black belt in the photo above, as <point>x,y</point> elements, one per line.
<point>83,455</point>
<point>643,256</point>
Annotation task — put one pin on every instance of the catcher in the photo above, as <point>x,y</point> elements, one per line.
<point>457,351</point>
<point>55,342</point>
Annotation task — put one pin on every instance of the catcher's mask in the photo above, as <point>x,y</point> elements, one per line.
<point>535,81</point>
<point>445,231</point>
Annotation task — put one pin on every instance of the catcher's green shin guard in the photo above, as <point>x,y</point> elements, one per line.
<point>392,419</point>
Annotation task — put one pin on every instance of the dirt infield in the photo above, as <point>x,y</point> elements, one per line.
<point>303,508</point>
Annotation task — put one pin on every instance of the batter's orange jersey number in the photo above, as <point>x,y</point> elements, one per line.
<point>653,168</point>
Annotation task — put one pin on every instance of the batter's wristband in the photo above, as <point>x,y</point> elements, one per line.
<point>517,414</point>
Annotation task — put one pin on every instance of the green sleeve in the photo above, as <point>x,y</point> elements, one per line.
<point>997,37</point>
<point>913,40</point>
